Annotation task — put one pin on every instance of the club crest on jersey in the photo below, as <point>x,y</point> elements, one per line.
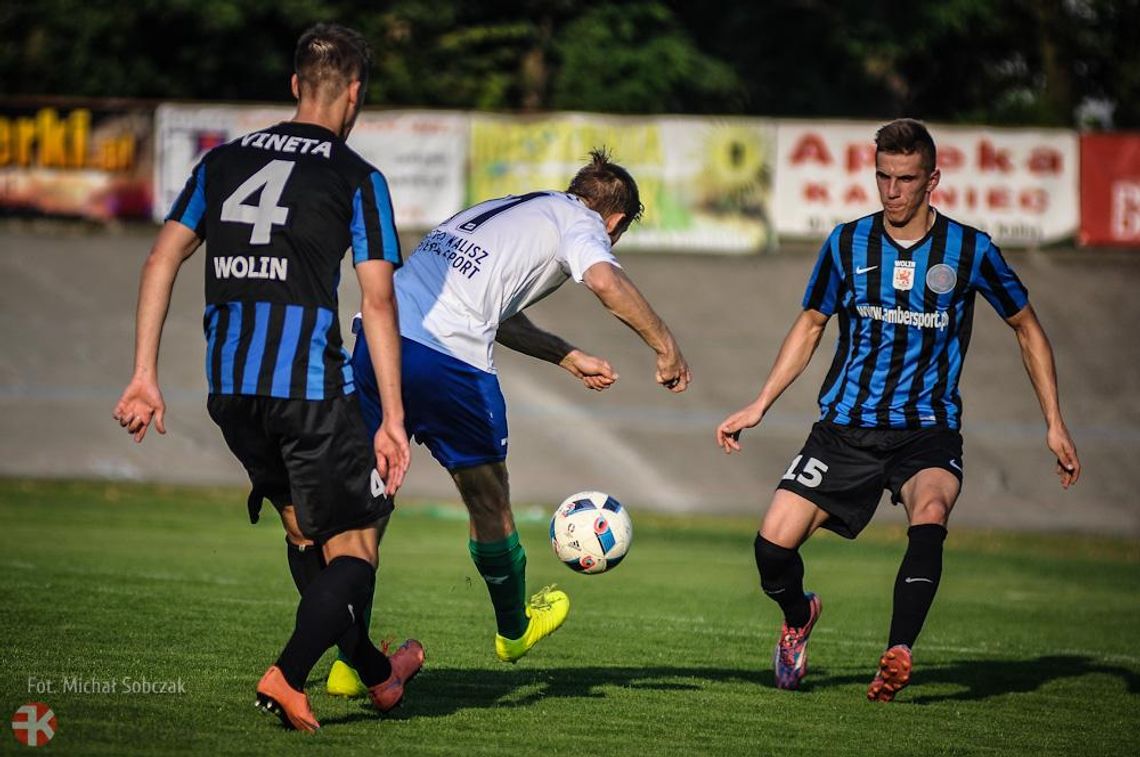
<point>941,278</point>
<point>904,275</point>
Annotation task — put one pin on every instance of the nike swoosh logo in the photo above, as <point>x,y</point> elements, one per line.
<point>916,580</point>
<point>868,269</point>
<point>777,591</point>
<point>496,580</point>
<point>955,466</point>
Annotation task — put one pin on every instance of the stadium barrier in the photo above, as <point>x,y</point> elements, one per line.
<point>1110,189</point>
<point>709,184</point>
<point>76,159</point>
<point>1019,185</point>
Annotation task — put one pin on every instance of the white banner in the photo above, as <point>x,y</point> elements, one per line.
<point>421,153</point>
<point>1019,185</point>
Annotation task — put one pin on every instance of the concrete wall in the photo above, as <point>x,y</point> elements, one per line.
<point>67,297</point>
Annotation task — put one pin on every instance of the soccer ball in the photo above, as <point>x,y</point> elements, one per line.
<point>590,532</point>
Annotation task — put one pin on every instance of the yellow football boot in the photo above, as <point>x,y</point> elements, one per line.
<point>547,610</point>
<point>343,681</point>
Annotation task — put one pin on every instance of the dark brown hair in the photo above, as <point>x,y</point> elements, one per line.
<point>906,136</point>
<point>329,57</point>
<point>607,188</point>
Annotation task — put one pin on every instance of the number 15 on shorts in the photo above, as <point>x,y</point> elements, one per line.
<point>810,475</point>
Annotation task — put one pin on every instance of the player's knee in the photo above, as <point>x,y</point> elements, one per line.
<point>484,490</point>
<point>292,529</point>
<point>933,510</point>
<point>299,540</point>
<point>296,538</point>
<point>360,549</point>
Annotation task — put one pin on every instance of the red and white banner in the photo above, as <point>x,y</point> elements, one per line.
<point>423,154</point>
<point>1110,189</point>
<point>1019,185</point>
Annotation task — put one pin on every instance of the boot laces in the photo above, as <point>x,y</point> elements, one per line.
<point>539,601</point>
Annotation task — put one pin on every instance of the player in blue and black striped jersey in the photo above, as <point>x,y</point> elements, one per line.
<point>280,207</point>
<point>903,282</point>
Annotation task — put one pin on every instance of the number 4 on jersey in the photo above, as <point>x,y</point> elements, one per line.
<point>266,213</point>
<point>812,473</point>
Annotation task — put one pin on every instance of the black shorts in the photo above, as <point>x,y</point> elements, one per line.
<point>313,454</point>
<point>844,469</point>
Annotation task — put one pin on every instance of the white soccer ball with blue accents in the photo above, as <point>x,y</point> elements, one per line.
<point>591,532</point>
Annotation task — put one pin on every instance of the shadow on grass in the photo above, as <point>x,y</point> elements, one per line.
<point>439,692</point>
<point>982,679</point>
<point>445,691</point>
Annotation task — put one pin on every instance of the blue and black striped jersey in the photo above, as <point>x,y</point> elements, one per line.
<point>278,209</point>
<point>905,315</point>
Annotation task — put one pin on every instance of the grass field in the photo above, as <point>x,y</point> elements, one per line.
<point>1032,648</point>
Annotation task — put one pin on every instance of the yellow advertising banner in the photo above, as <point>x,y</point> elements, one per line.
<point>71,160</point>
<point>705,182</point>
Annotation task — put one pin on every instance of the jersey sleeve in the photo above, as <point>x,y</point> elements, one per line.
<point>999,284</point>
<point>823,287</point>
<point>583,245</point>
<point>374,234</point>
<point>190,207</point>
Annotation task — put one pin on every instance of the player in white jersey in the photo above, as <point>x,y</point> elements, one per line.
<point>463,289</point>
<point>491,261</point>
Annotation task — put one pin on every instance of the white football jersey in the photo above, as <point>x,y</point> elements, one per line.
<point>490,261</point>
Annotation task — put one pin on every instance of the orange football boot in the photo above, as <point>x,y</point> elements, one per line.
<point>277,697</point>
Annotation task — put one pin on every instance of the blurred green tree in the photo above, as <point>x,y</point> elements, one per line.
<point>986,61</point>
<point>991,61</point>
<point>199,49</point>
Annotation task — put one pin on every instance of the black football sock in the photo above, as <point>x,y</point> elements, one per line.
<point>917,582</point>
<point>304,563</point>
<point>352,637</point>
<point>782,579</point>
<point>358,651</point>
<point>328,608</point>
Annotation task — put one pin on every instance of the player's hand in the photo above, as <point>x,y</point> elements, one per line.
<point>1068,464</point>
<point>594,372</point>
<point>673,372</point>
<point>728,432</point>
<point>141,402</point>
<point>393,455</point>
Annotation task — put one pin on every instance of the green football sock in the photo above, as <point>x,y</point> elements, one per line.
<point>503,567</point>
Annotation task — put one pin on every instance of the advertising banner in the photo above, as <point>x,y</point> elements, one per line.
<point>1018,185</point>
<point>1110,189</point>
<point>705,182</point>
<point>72,161</point>
<point>421,153</point>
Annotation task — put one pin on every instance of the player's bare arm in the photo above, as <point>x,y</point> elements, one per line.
<point>794,355</point>
<point>622,298</point>
<point>519,333</point>
<point>1037,354</point>
<point>378,310</point>
<point>142,400</point>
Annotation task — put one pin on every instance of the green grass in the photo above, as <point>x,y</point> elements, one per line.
<point>1032,646</point>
